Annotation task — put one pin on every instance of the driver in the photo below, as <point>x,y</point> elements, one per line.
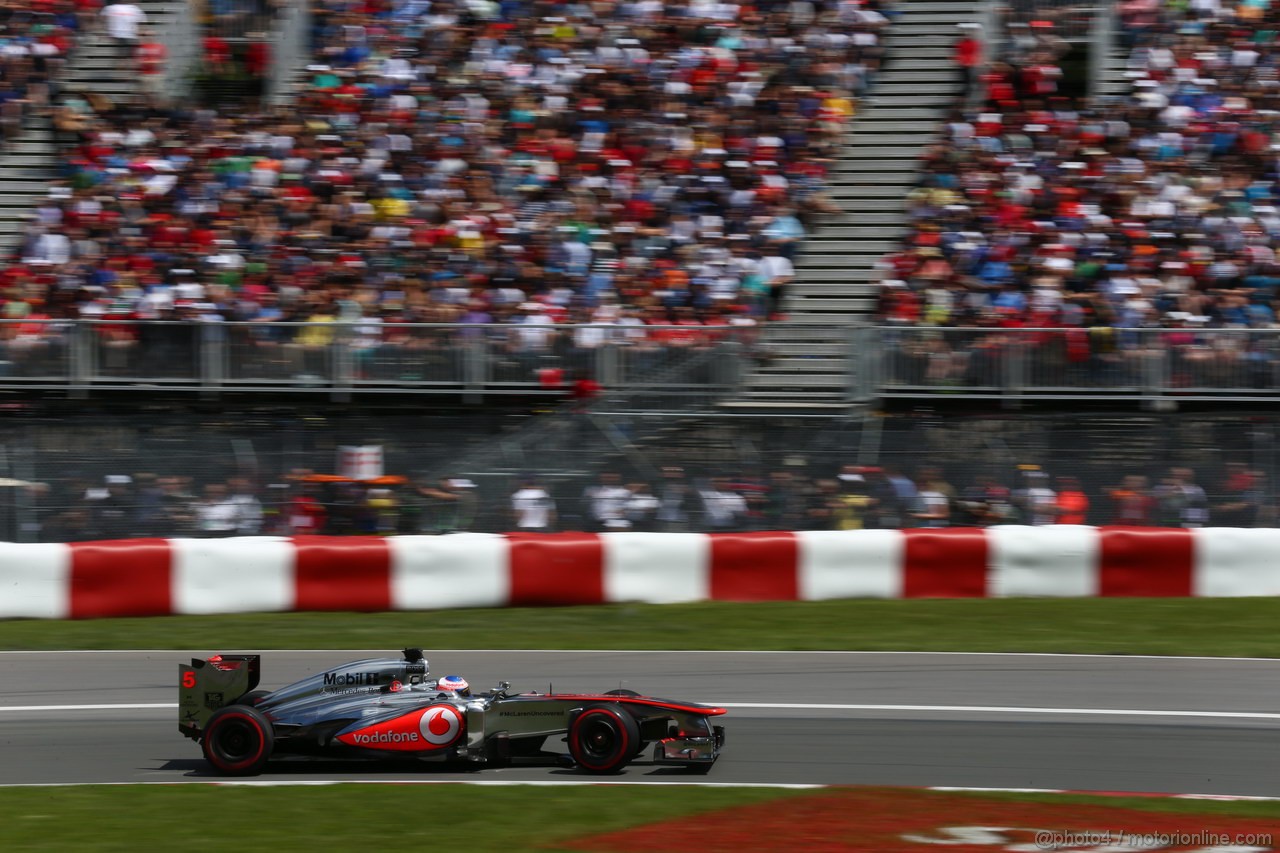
<point>454,684</point>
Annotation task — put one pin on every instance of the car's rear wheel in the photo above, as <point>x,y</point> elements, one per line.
<point>238,741</point>
<point>603,739</point>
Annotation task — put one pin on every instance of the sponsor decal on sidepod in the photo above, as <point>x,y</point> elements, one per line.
<point>435,727</point>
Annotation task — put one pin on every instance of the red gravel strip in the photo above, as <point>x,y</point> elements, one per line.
<point>877,820</point>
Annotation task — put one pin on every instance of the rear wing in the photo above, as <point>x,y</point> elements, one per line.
<point>207,685</point>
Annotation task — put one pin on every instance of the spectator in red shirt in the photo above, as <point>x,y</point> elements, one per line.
<point>968,56</point>
<point>150,56</point>
<point>1073,503</point>
<point>1132,502</point>
<point>305,514</point>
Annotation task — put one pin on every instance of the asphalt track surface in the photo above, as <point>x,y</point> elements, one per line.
<point>1143,724</point>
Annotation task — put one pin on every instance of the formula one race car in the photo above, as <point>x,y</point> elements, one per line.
<point>390,708</point>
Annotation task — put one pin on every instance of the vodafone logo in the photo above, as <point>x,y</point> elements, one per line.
<point>440,725</point>
<point>421,730</point>
<point>386,737</point>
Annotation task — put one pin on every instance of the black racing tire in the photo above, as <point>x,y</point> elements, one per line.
<point>238,740</point>
<point>252,698</point>
<point>603,738</point>
<point>629,694</point>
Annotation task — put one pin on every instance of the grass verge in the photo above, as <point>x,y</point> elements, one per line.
<point>344,817</point>
<point>1177,626</point>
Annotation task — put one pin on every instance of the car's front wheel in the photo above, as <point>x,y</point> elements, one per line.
<point>238,740</point>
<point>603,739</point>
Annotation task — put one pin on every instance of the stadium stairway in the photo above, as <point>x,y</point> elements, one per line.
<point>29,163</point>
<point>807,368</point>
<point>1114,81</point>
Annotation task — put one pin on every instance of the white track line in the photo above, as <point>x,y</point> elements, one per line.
<point>483,783</point>
<point>1231,798</point>
<point>767,706</point>
<point>130,706</point>
<point>383,651</point>
<point>1003,709</point>
<point>567,783</point>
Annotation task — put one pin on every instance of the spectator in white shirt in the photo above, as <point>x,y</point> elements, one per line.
<point>721,505</point>
<point>532,508</point>
<point>124,21</point>
<point>535,330</point>
<point>607,503</point>
<point>218,514</point>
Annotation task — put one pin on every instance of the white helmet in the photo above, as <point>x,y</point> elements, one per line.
<point>454,684</point>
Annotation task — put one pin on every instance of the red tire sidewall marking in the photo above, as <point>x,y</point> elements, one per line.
<point>262,742</point>
<point>618,724</point>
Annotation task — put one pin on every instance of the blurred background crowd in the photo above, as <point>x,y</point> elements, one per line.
<point>527,163</point>
<point>513,162</point>
<point>849,497</point>
<point>1156,209</point>
<point>35,39</point>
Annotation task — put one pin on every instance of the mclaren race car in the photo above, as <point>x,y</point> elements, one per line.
<point>391,708</point>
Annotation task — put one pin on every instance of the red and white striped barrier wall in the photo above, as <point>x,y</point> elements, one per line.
<point>144,577</point>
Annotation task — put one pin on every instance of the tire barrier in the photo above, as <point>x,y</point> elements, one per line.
<point>150,577</point>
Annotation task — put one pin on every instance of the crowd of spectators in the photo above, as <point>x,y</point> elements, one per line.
<point>524,161</point>
<point>849,498</point>
<point>889,497</point>
<point>1154,210</point>
<point>36,37</point>
<point>122,506</point>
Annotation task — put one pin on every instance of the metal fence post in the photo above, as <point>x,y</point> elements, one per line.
<point>727,372</point>
<point>343,360</point>
<point>1014,379</point>
<point>475,368</point>
<point>82,357</point>
<point>212,357</point>
<point>1153,365</point>
<point>606,367</point>
<point>862,365</point>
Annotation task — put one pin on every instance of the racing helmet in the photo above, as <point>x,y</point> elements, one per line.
<point>454,684</point>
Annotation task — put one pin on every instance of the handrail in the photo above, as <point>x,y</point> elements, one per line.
<point>1143,364</point>
<point>354,356</point>
<point>364,356</point>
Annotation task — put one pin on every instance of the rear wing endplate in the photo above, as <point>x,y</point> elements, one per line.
<point>207,685</point>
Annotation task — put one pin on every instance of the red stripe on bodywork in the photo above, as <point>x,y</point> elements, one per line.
<point>556,569</point>
<point>121,578</point>
<point>1146,562</point>
<point>332,573</point>
<point>754,567</point>
<point>945,563</point>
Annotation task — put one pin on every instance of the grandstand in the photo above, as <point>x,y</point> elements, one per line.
<point>29,162</point>
<point>836,272</point>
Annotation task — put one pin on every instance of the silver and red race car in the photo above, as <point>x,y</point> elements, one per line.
<point>388,708</point>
